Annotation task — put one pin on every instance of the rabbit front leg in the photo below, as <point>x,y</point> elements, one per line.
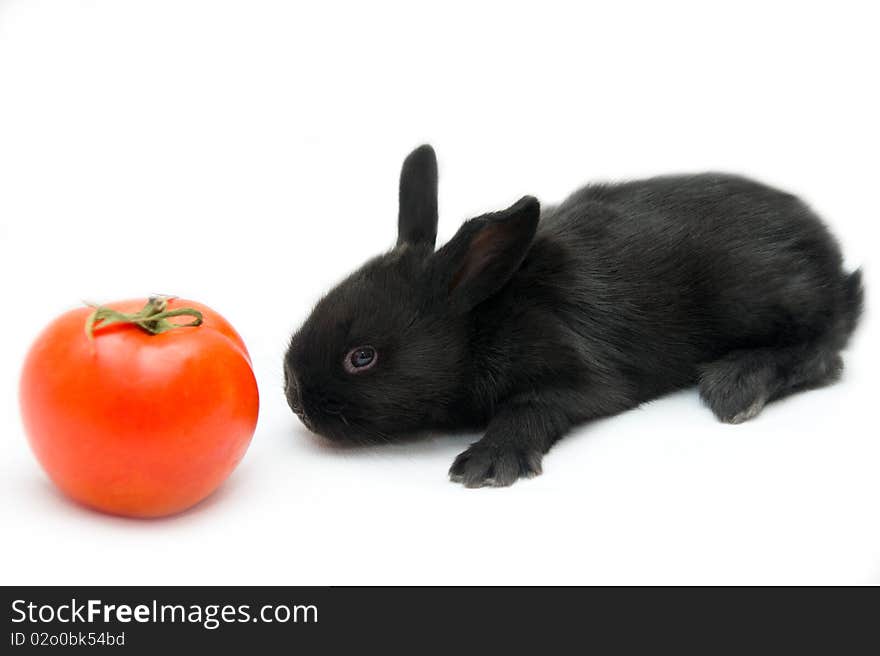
<point>517,438</point>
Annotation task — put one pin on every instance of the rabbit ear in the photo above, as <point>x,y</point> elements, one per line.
<point>485,253</point>
<point>417,217</point>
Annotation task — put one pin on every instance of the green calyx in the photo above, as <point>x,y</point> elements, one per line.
<point>152,318</point>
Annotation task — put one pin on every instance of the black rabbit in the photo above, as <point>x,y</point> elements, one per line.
<point>622,293</point>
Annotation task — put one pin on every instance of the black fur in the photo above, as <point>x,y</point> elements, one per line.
<point>620,294</point>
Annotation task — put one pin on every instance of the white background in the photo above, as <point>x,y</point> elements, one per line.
<point>246,155</point>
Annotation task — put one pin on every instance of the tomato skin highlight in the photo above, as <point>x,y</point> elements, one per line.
<point>137,424</point>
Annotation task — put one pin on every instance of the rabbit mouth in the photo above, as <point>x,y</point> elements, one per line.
<point>335,426</point>
<point>319,419</point>
<point>293,394</point>
<point>295,403</point>
<point>304,418</point>
<point>327,417</point>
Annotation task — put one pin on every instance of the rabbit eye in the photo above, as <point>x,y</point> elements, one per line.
<point>360,359</point>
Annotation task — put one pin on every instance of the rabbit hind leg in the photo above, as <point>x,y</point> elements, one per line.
<point>737,386</point>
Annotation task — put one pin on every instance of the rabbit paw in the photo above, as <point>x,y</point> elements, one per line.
<point>495,465</point>
<point>733,402</point>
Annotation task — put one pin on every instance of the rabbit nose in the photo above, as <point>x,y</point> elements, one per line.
<point>291,390</point>
<point>294,398</point>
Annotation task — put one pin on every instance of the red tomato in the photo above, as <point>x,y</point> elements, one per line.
<point>134,423</point>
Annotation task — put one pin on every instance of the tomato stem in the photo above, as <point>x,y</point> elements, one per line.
<point>153,317</point>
